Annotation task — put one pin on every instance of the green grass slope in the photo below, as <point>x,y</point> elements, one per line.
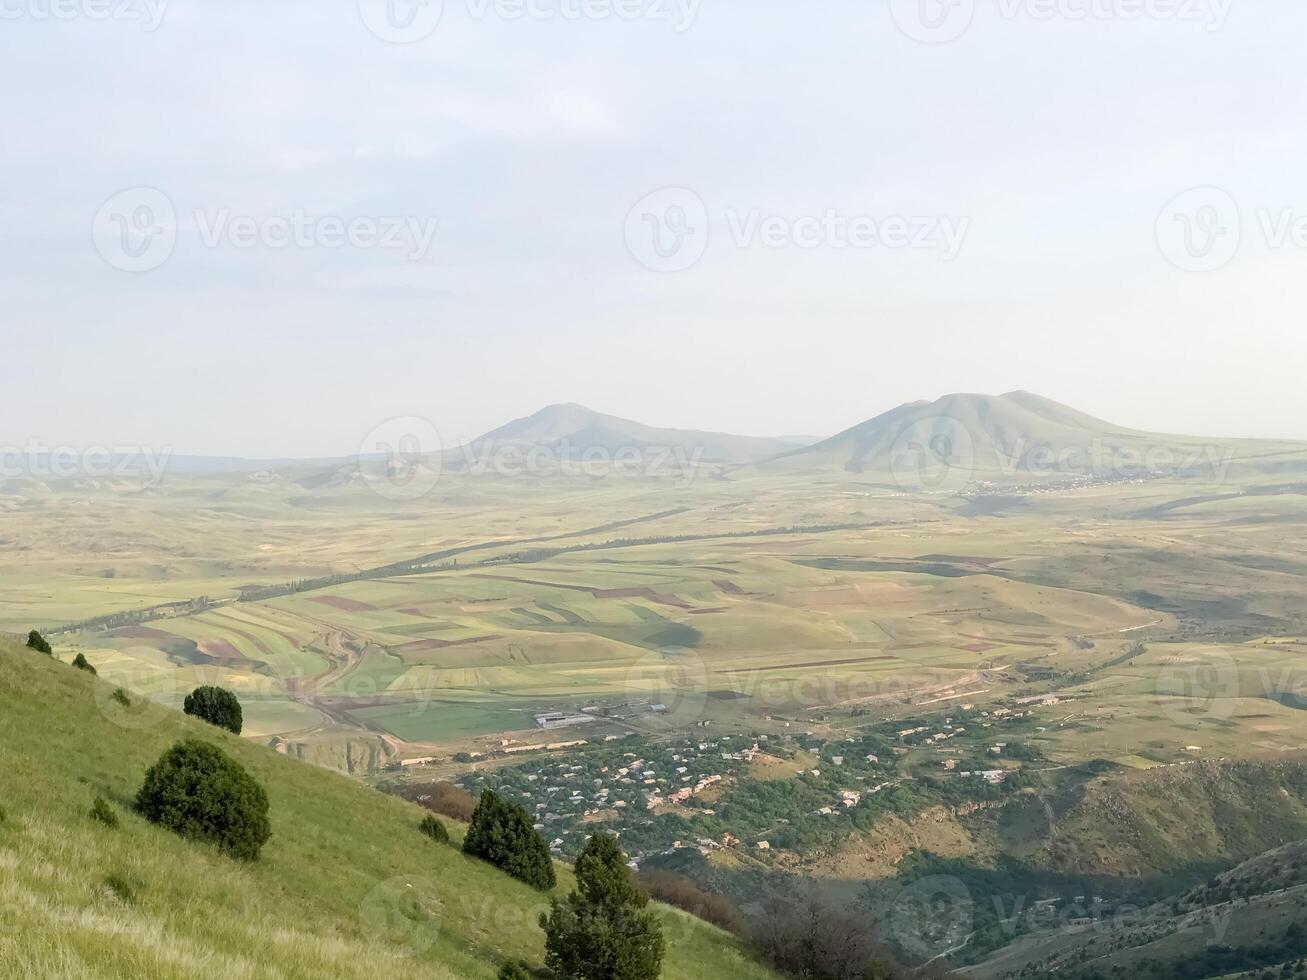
<point>347,886</point>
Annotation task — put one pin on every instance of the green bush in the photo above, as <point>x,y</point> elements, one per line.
<point>503,835</point>
<point>604,930</point>
<point>37,642</point>
<point>81,663</point>
<point>102,812</point>
<point>198,791</point>
<point>121,697</point>
<point>217,706</point>
<point>512,971</point>
<point>434,828</point>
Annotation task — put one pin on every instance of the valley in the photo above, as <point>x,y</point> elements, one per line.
<point>830,664</point>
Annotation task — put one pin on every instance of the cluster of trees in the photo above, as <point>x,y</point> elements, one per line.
<point>37,642</point>
<point>804,935</point>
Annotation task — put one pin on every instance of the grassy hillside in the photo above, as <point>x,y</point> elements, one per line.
<point>346,887</point>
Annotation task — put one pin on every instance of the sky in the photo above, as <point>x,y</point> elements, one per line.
<point>264,229</point>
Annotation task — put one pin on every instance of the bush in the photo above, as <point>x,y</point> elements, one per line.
<point>447,799</point>
<point>102,812</point>
<point>121,697</point>
<point>603,930</point>
<point>37,642</point>
<point>81,663</point>
<point>433,828</point>
<point>198,791</point>
<point>503,835</point>
<point>3,816</point>
<point>680,891</point>
<point>512,971</point>
<point>217,706</point>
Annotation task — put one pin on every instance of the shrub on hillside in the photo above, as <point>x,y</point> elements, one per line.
<point>447,799</point>
<point>198,791</point>
<point>102,812</point>
<point>37,642</point>
<point>503,834</point>
<point>121,697</point>
<point>217,706</point>
<point>680,891</point>
<point>801,933</point>
<point>604,930</point>
<point>512,971</point>
<point>433,828</point>
<point>81,663</point>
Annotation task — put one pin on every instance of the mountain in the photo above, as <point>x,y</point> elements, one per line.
<point>571,431</point>
<point>965,439</point>
<point>346,887</point>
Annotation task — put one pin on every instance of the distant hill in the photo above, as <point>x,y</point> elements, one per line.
<point>570,431</point>
<point>346,888</point>
<point>963,439</point>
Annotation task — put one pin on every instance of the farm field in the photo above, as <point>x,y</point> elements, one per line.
<point>766,600</point>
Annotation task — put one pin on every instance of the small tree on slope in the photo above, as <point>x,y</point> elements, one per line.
<point>502,834</point>
<point>604,930</point>
<point>217,706</point>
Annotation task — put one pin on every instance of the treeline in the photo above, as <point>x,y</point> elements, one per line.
<point>135,617</point>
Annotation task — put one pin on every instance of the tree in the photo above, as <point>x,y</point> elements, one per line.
<point>604,930</point>
<point>503,835</point>
<point>217,706</point>
<point>39,643</point>
<point>81,663</point>
<point>198,791</point>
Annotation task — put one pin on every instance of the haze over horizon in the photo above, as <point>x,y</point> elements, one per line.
<point>1038,157</point>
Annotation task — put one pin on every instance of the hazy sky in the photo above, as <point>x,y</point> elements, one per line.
<point>1033,159</point>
